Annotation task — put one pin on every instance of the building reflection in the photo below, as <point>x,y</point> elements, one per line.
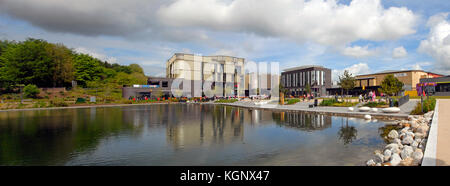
<point>207,126</point>
<point>302,120</point>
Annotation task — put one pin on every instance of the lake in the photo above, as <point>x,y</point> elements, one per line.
<point>184,134</point>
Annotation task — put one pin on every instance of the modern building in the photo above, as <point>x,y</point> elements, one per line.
<point>226,71</point>
<point>262,84</point>
<point>439,86</point>
<point>410,78</point>
<point>297,79</point>
<point>156,87</point>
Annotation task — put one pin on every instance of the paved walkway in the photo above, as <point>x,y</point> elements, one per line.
<point>303,106</point>
<point>443,134</point>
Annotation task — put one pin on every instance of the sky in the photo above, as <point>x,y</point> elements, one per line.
<point>362,36</point>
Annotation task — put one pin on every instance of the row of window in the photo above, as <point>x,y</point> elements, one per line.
<point>301,79</point>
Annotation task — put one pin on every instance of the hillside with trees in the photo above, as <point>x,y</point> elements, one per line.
<point>44,64</point>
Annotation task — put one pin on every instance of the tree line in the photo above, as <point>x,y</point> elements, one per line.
<point>38,62</point>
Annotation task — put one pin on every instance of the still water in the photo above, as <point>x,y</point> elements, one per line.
<point>181,134</point>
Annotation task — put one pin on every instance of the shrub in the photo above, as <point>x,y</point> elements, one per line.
<point>30,91</point>
<point>345,104</point>
<point>428,105</point>
<point>58,103</point>
<point>226,101</point>
<point>375,104</point>
<point>328,102</point>
<point>292,101</point>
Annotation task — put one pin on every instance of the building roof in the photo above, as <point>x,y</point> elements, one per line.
<point>302,67</point>
<point>397,71</point>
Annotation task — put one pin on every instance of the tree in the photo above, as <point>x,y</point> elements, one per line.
<point>308,88</point>
<point>30,91</point>
<point>87,69</point>
<point>347,81</point>
<point>136,68</point>
<point>26,63</point>
<point>62,64</point>
<point>391,85</point>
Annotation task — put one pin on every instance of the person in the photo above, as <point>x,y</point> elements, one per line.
<point>361,98</point>
<point>374,96</point>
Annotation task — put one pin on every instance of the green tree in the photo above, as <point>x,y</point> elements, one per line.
<point>62,57</point>
<point>30,91</point>
<point>26,63</point>
<point>308,88</point>
<point>391,85</point>
<point>347,81</point>
<point>87,69</point>
<point>136,68</point>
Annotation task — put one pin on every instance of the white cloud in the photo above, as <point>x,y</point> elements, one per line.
<point>358,51</point>
<point>95,54</point>
<point>399,52</point>
<point>326,22</point>
<point>322,21</point>
<point>437,44</point>
<point>356,69</point>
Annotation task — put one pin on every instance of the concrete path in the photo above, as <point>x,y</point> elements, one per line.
<point>342,111</point>
<point>443,134</point>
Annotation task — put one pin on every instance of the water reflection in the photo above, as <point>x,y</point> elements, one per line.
<point>347,133</point>
<point>181,135</point>
<point>302,120</point>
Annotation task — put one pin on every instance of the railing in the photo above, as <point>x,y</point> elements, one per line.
<point>403,100</point>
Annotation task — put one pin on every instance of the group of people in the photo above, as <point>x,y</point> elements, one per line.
<point>371,96</point>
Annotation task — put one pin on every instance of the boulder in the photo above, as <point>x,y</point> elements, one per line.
<point>407,162</point>
<point>351,109</point>
<point>364,109</point>
<point>395,160</point>
<point>414,145</point>
<point>391,146</point>
<point>387,155</point>
<point>406,152</point>
<point>417,155</point>
<point>374,110</point>
<point>407,140</point>
<point>393,134</point>
<point>367,117</point>
<point>391,110</point>
<point>423,129</point>
<point>371,163</point>
<point>398,141</point>
<point>379,158</point>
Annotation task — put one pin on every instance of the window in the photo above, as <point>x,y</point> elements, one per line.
<point>165,84</point>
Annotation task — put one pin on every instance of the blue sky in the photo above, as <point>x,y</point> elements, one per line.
<point>363,36</point>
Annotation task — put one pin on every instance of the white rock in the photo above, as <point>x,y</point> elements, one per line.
<point>414,145</point>
<point>379,158</point>
<point>364,109</point>
<point>406,152</point>
<point>407,140</point>
<point>371,163</point>
<point>391,146</point>
<point>398,141</point>
<point>391,110</point>
<point>367,116</point>
<point>387,155</point>
<point>351,109</point>
<point>378,164</point>
<point>423,129</point>
<point>374,110</point>
<point>417,155</point>
<point>393,134</point>
<point>395,159</point>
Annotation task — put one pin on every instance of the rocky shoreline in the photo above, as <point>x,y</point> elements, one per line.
<point>407,143</point>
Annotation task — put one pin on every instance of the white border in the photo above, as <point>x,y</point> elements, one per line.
<point>429,159</point>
